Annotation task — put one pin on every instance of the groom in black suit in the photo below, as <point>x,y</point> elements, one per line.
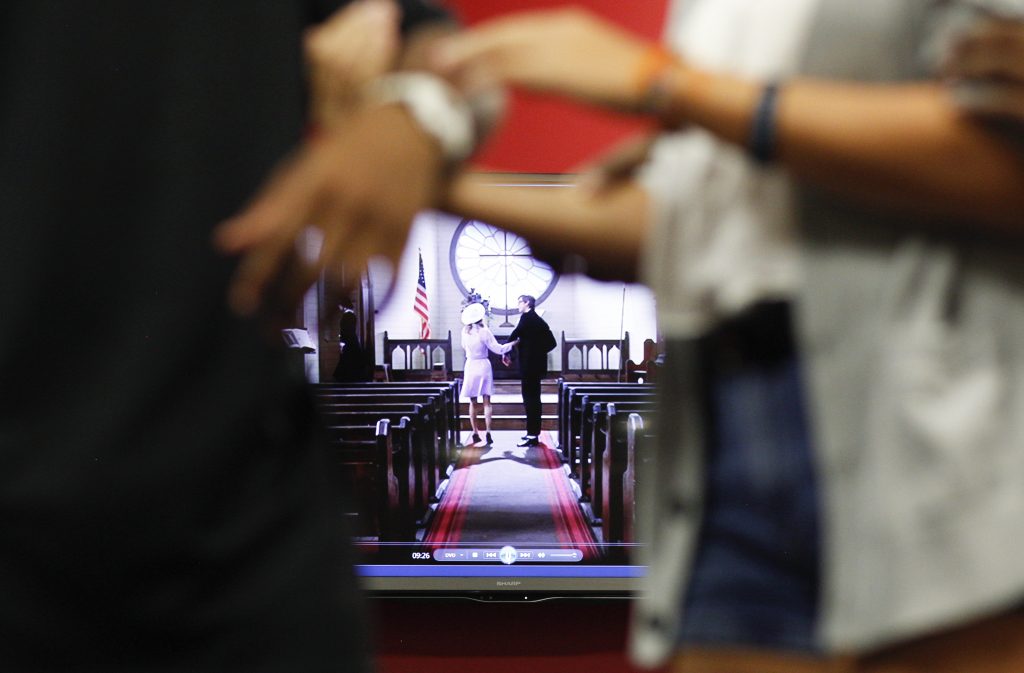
<point>535,341</point>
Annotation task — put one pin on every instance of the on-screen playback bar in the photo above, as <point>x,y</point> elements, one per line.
<point>508,555</point>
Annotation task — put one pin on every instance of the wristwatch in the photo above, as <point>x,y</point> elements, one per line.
<point>435,105</point>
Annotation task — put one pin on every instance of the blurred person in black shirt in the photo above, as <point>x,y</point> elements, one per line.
<point>164,498</point>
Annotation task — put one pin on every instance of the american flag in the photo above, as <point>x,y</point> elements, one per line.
<point>420,305</point>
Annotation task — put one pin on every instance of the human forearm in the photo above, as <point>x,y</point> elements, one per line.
<point>497,348</point>
<point>903,147</point>
<point>607,230</point>
<point>898,146</point>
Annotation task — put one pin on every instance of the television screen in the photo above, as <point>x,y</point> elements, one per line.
<point>494,517</point>
<point>437,509</point>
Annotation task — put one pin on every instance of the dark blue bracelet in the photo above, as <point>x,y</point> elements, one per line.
<point>762,130</point>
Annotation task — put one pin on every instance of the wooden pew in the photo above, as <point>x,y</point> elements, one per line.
<point>593,440</point>
<point>430,430</point>
<point>449,391</point>
<point>430,422</point>
<point>567,406</point>
<point>595,358</point>
<point>618,462</point>
<point>411,465</point>
<point>440,416</point>
<point>639,445</point>
<point>367,473</point>
<point>578,427</point>
<point>403,450</point>
<point>570,412</point>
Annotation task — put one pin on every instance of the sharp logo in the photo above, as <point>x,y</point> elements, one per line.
<point>510,583</point>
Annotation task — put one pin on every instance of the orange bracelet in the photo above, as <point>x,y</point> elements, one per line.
<point>662,80</point>
<point>649,70</point>
<point>651,80</point>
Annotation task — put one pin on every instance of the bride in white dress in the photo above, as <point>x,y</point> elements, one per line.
<point>478,378</point>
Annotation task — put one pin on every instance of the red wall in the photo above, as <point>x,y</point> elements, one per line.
<point>546,135</point>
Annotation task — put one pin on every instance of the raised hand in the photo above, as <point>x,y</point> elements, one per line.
<point>360,185</point>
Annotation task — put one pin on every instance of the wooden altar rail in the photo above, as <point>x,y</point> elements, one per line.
<point>594,359</point>
<point>417,359</point>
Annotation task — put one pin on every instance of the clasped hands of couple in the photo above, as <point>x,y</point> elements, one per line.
<point>505,359</point>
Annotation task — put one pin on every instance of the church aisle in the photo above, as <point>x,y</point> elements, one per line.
<point>509,495</point>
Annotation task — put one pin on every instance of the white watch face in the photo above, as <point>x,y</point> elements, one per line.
<point>498,265</point>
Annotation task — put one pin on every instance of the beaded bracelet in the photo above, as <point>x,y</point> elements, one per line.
<point>762,145</point>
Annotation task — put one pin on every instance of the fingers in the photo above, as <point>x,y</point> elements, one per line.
<point>253,274</point>
<point>619,165</point>
<point>345,257</point>
<point>987,66</point>
<point>495,45</point>
<point>304,192</point>
<point>991,99</point>
<point>992,50</point>
<point>265,233</point>
<point>360,186</point>
<point>566,51</point>
<point>348,50</point>
<point>543,50</point>
<point>283,202</point>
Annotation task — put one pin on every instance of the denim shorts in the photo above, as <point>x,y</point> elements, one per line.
<point>755,578</point>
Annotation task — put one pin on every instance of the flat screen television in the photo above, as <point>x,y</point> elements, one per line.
<point>512,523</point>
<point>508,526</point>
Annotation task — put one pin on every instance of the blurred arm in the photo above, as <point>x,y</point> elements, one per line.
<point>905,147</point>
<point>607,229</point>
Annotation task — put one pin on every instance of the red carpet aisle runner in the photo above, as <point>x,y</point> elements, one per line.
<point>522,494</point>
<point>570,526</point>
<point>446,525</point>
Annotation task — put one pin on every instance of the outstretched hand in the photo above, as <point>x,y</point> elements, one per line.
<point>566,51</point>
<point>360,185</point>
